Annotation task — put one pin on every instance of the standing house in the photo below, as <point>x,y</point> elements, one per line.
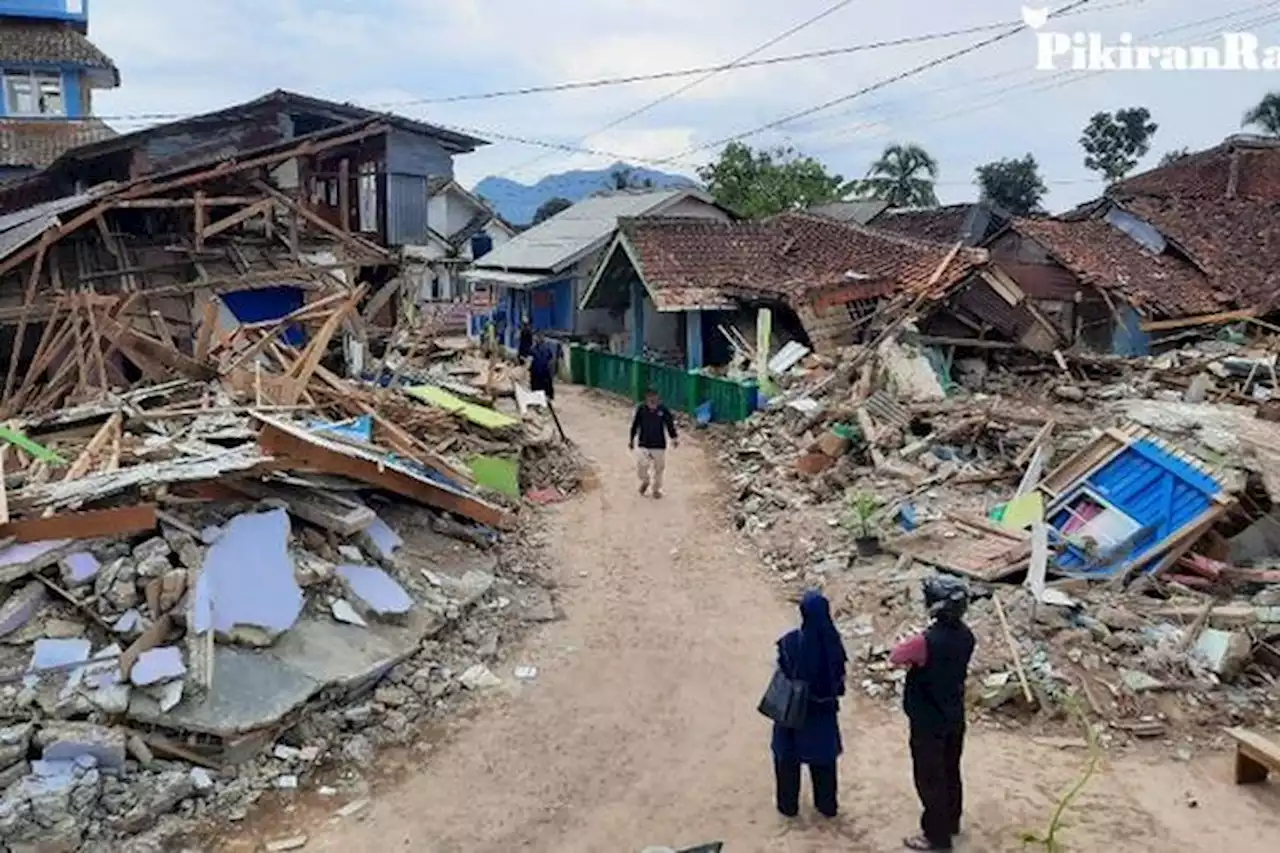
<point>49,69</point>
<point>462,228</point>
<point>824,279</point>
<point>544,272</point>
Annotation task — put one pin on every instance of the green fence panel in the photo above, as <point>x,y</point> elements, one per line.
<point>730,401</point>
<point>577,365</point>
<point>613,373</point>
<point>680,389</point>
<point>672,384</point>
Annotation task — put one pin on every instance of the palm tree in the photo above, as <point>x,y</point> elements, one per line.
<point>1266,115</point>
<point>904,176</point>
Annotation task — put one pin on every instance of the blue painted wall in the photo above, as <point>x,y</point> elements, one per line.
<point>1127,337</point>
<point>56,9</point>
<point>551,306</point>
<point>1155,488</point>
<point>268,303</point>
<point>693,339</point>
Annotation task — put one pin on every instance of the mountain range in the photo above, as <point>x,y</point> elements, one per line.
<point>517,203</point>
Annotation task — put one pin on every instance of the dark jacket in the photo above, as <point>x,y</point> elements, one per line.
<point>652,426</point>
<point>933,697</point>
<point>543,360</point>
<point>814,654</point>
<point>526,342</point>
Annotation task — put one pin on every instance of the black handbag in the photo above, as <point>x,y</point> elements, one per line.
<point>786,700</point>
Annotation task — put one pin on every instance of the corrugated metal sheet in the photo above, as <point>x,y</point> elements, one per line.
<point>22,226</point>
<point>983,302</point>
<point>569,235</point>
<point>406,209</point>
<point>415,154</point>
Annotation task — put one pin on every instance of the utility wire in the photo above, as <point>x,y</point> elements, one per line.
<point>880,84</point>
<point>697,81</point>
<point>607,82</point>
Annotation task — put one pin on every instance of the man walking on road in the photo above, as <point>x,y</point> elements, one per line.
<point>651,426</point>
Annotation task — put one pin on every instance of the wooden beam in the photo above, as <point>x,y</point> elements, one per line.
<point>95,337</point>
<point>262,206</point>
<point>316,349</point>
<point>305,451</point>
<point>92,524</point>
<point>200,215</point>
<point>1201,320</point>
<point>344,194</point>
<point>4,489</point>
<point>178,203</point>
<point>84,463</point>
<point>305,148</point>
<point>134,342</point>
<point>320,222</point>
<point>208,325</point>
<point>28,298</point>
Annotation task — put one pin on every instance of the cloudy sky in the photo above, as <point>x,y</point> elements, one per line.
<point>179,58</point>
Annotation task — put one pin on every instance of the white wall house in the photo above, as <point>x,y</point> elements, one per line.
<point>460,228</point>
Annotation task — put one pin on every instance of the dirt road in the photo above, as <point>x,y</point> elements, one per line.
<point>641,726</point>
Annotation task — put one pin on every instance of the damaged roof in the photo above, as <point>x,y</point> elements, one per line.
<point>54,43</point>
<point>577,231</point>
<point>1242,167</point>
<point>968,222</point>
<point>37,143</point>
<point>693,263</point>
<point>1103,256</point>
<point>859,212</point>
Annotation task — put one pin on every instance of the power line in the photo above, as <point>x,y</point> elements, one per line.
<point>880,84</point>
<point>607,82</point>
<point>677,92</point>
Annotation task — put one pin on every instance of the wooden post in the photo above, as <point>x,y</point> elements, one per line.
<point>20,337</point>
<point>200,213</point>
<point>344,194</point>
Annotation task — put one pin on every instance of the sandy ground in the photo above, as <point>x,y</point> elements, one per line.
<point>641,727</point>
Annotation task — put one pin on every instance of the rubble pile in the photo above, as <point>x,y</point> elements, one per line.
<point>1114,518</point>
<point>205,595</point>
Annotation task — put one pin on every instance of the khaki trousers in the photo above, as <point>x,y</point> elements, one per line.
<point>649,467</point>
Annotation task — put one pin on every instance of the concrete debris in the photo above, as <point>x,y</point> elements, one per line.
<point>479,677</point>
<point>344,612</point>
<point>21,607</point>
<point>282,845</point>
<point>73,741</point>
<point>247,580</point>
<point>158,666</point>
<point>376,591</point>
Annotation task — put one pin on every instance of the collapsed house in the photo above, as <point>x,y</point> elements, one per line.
<point>828,281</point>
<point>205,506</point>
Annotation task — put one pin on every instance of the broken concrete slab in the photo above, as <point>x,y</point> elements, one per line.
<point>466,590</point>
<point>479,677</point>
<point>344,612</point>
<point>157,666</point>
<point>383,542</point>
<point>248,578</point>
<point>1225,652</point>
<point>129,622</point>
<point>79,569</point>
<point>55,655</point>
<point>72,741</point>
<point>376,591</point>
<point>21,607</point>
<point>251,690</point>
<point>254,689</point>
<point>22,558</point>
<point>15,740</point>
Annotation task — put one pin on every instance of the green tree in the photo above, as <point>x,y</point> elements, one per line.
<point>550,208</point>
<point>1114,142</point>
<point>1266,115</point>
<point>1013,184</point>
<point>769,181</point>
<point>1171,157</point>
<point>624,178</point>
<point>904,176</point>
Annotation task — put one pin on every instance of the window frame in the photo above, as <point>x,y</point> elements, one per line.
<point>36,83</point>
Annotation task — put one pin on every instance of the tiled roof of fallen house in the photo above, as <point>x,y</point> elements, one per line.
<point>859,212</point>
<point>38,142</point>
<point>1255,162</point>
<point>1234,240</point>
<point>50,43</point>
<point>940,224</point>
<point>1103,256</point>
<point>693,263</point>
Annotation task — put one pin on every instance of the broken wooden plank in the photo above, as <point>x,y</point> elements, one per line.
<point>286,441</point>
<point>256,209</point>
<point>94,448</point>
<point>149,639</point>
<point>324,509</point>
<point>89,524</point>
